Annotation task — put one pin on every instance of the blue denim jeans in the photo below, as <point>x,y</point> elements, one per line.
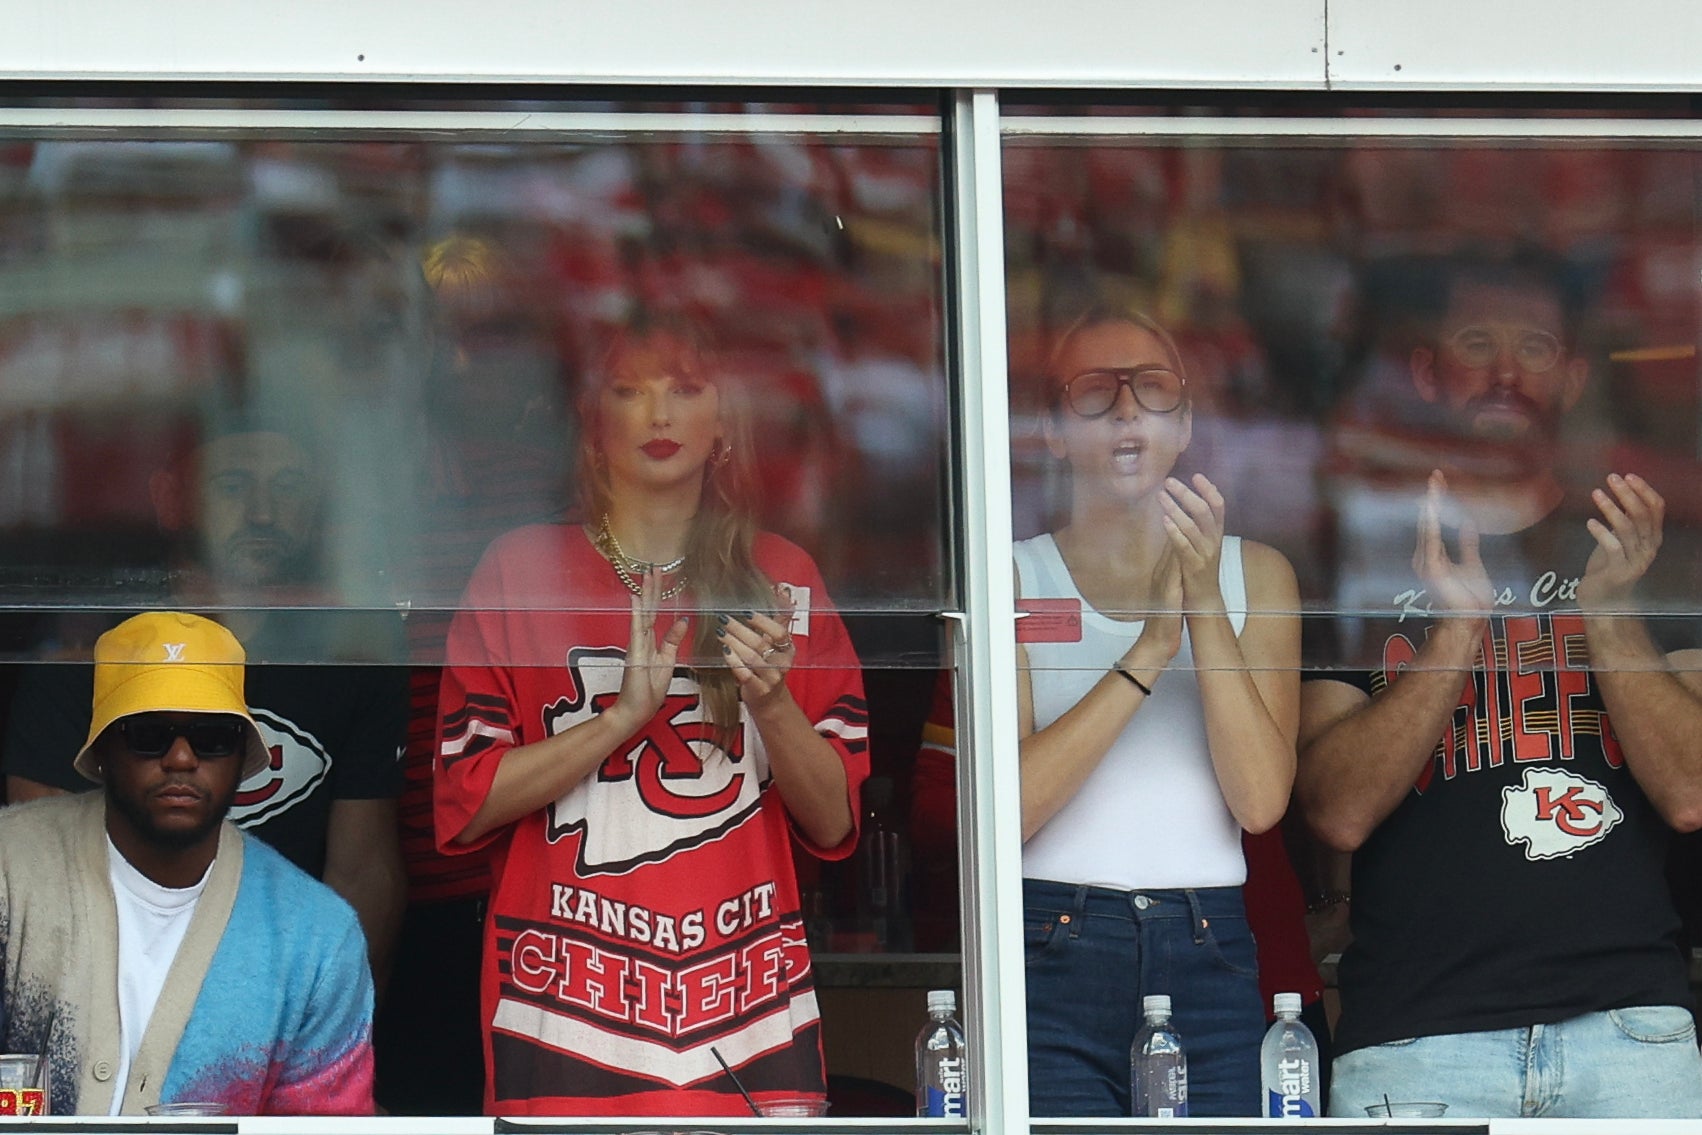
<point>1092,954</point>
<point>1621,1064</point>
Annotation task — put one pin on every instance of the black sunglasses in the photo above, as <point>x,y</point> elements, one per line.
<point>212,738</point>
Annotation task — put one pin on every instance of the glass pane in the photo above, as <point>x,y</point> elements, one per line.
<point>1256,363</point>
<point>422,322</point>
<point>420,408</point>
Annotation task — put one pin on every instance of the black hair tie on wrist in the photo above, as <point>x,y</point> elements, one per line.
<point>1139,685</point>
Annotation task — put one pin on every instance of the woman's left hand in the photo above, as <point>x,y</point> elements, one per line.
<point>759,650</point>
<point>1193,518</point>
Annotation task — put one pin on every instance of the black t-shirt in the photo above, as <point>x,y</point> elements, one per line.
<point>1520,881</point>
<point>335,733</point>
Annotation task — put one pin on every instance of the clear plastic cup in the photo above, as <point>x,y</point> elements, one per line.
<point>23,1084</point>
<point>187,1107</point>
<point>792,1107</point>
<point>1406,1110</point>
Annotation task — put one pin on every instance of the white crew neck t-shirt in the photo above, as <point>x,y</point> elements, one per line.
<point>152,921</point>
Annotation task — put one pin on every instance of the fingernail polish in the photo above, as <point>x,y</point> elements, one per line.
<point>720,632</point>
<point>722,619</point>
<point>725,649</point>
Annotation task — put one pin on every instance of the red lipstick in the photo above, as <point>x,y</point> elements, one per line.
<point>661,448</point>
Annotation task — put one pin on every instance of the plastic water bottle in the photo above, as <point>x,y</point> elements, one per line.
<point>942,1060</point>
<point>1158,1068</point>
<point>1288,1064</point>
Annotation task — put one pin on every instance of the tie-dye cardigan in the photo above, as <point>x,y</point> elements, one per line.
<point>267,1007</point>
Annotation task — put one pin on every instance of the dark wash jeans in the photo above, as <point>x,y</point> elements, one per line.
<point>1093,953</point>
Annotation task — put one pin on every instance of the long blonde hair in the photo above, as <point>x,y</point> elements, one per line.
<point>720,555</point>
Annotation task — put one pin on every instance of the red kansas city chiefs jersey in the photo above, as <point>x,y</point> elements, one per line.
<point>651,913</point>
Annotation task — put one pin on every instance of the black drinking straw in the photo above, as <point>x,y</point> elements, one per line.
<point>755,1110</point>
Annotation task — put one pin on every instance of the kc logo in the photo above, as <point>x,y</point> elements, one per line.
<point>299,765</point>
<point>1555,813</point>
<point>667,788</point>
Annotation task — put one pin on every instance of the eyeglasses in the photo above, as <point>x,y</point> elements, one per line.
<point>1480,345</point>
<point>1157,390</point>
<point>151,736</point>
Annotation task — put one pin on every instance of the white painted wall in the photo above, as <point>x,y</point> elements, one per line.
<point>1237,43</point>
<point>1630,45</point>
<point>1620,45</point>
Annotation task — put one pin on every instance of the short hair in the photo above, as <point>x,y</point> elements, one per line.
<point>224,418</point>
<point>1523,268</point>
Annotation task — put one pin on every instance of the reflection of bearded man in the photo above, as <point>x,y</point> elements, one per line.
<point>250,504</point>
<point>1500,369</point>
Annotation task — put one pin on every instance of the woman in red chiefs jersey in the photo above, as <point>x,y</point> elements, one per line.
<point>641,795</point>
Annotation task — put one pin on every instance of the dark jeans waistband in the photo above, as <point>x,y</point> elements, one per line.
<point>1194,903</point>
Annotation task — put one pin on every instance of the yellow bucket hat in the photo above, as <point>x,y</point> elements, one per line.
<point>168,661</point>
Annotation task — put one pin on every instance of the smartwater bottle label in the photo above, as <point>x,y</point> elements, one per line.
<point>945,1104</point>
<point>1289,1107</point>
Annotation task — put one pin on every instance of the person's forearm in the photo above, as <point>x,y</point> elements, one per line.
<point>808,772</point>
<point>531,776</point>
<point>1356,771</point>
<point>1252,755</point>
<point>1657,719</point>
<point>377,889</point>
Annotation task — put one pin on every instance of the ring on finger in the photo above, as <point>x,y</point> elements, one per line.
<point>768,652</point>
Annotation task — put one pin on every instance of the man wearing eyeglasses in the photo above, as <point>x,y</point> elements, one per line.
<point>152,952</point>
<point>1510,759</point>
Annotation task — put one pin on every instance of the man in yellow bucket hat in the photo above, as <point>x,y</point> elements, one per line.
<point>119,908</point>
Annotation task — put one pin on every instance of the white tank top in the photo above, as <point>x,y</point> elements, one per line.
<point>1151,814</point>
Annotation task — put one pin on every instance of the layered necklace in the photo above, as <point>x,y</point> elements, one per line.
<point>632,571</point>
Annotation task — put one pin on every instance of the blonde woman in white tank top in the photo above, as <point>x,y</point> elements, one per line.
<point>1150,743</point>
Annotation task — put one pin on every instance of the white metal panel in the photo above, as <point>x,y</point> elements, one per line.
<point>1095,130</point>
<point>1627,45</point>
<point>989,788</point>
<point>907,42</point>
<point>482,125</point>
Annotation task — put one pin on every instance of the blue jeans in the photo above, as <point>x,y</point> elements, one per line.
<point>1092,954</point>
<point>1621,1064</point>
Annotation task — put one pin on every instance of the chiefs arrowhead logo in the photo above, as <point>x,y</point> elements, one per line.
<point>667,788</point>
<point>1555,813</point>
<point>299,765</point>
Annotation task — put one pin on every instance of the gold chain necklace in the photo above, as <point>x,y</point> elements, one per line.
<point>630,570</point>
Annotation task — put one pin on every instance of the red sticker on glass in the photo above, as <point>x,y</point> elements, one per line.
<point>1049,620</point>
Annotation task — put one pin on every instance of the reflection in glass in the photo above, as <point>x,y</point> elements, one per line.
<point>423,312</point>
<point>1457,385</point>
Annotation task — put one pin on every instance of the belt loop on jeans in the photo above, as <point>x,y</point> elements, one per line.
<point>1078,910</point>
<point>1198,916</point>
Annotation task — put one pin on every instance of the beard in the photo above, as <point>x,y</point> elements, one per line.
<point>258,556</point>
<point>142,821</point>
<point>1506,435</point>
<point>1511,418</point>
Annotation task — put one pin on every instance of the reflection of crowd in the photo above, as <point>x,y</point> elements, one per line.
<point>1491,730</point>
<point>631,699</point>
<point>369,458</point>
